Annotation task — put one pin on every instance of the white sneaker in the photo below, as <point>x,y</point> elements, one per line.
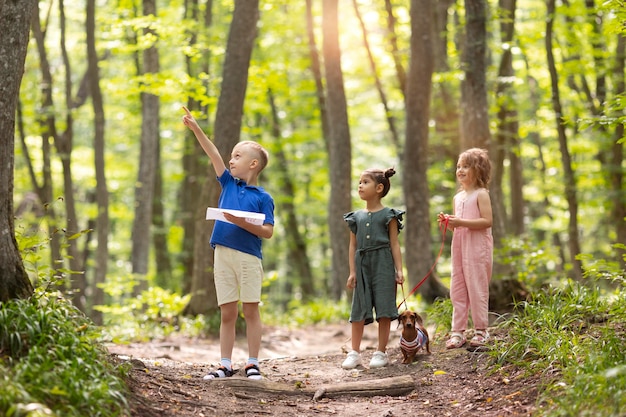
<point>352,360</point>
<point>379,359</point>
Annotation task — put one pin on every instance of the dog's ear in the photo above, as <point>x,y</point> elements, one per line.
<point>418,318</point>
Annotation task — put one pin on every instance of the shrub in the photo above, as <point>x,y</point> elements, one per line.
<point>52,362</point>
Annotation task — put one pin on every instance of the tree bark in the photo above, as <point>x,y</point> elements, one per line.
<point>617,158</point>
<point>507,144</point>
<point>316,69</point>
<point>395,50</point>
<point>391,120</point>
<point>64,144</point>
<point>102,193</point>
<point>15,17</point>
<point>49,134</point>
<point>475,118</point>
<point>568,173</point>
<point>393,386</point>
<point>146,177</point>
<point>418,244</point>
<point>340,153</point>
<point>194,159</point>
<point>298,266</point>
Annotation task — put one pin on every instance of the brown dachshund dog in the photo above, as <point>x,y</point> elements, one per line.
<point>414,335</point>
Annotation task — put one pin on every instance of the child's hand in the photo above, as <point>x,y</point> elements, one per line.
<point>188,119</point>
<point>399,277</point>
<point>351,284</point>
<point>442,217</point>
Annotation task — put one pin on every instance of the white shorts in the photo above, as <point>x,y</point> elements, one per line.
<point>238,276</point>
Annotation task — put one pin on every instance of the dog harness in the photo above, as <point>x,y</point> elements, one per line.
<point>415,345</point>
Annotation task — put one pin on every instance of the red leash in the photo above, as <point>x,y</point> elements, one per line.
<point>443,226</point>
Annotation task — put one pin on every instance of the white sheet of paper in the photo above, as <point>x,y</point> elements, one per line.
<point>213,213</point>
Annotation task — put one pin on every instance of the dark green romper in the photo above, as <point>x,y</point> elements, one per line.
<point>375,271</point>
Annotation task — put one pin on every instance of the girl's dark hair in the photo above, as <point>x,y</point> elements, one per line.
<point>478,160</point>
<point>381,177</point>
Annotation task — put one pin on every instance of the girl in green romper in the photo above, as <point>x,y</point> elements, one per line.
<point>375,265</point>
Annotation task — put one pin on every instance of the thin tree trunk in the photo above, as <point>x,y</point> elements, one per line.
<point>194,159</point>
<point>441,35</point>
<point>102,193</point>
<point>146,177</point>
<point>418,242</point>
<point>395,51</point>
<point>617,158</point>
<point>163,273</point>
<point>391,121</point>
<point>317,75</point>
<point>507,144</point>
<point>15,17</point>
<point>340,155</point>
<point>48,132</point>
<point>64,144</point>
<point>568,173</point>
<point>298,266</point>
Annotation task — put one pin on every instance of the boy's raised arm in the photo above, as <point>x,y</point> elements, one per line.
<point>209,147</point>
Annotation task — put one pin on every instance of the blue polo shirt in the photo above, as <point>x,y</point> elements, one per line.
<point>238,195</point>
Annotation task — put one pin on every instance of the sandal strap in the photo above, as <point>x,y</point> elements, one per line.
<point>252,371</point>
<point>222,372</point>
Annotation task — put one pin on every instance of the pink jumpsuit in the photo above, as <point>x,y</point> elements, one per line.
<point>472,259</point>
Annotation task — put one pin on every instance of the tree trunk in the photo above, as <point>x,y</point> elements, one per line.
<point>15,17</point>
<point>64,144</point>
<point>194,159</point>
<point>146,177</point>
<point>507,144</point>
<point>391,121</point>
<point>163,273</point>
<point>298,266</point>
<point>102,193</point>
<point>418,243</point>
<point>317,74</point>
<point>397,55</point>
<point>617,158</point>
<point>241,37</point>
<point>48,134</point>
<point>475,118</point>
<point>568,173</point>
<point>340,153</point>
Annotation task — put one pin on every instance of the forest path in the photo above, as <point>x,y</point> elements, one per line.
<point>166,379</point>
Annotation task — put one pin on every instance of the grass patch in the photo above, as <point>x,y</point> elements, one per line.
<point>574,337</point>
<point>52,363</point>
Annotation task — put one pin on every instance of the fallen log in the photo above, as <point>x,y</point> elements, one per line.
<point>394,386</point>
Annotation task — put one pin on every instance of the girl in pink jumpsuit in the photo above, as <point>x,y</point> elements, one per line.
<point>472,248</point>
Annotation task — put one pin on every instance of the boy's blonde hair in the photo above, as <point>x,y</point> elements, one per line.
<point>261,153</point>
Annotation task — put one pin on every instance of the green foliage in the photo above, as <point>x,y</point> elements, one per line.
<point>439,314</point>
<point>533,263</point>
<point>320,310</point>
<point>52,362</point>
<point>155,313</point>
<point>573,336</point>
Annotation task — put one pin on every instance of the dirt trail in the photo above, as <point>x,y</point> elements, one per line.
<point>167,379</point>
